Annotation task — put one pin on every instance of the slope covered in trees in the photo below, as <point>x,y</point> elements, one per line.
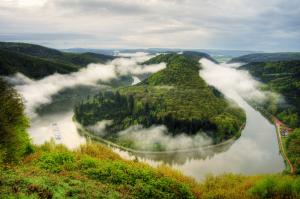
<point>176,97</point>
<point>37,61</point>
<point>283,77</point>
<point>267,57</point>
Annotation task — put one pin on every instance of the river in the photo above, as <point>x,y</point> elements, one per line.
<point>255,152</point>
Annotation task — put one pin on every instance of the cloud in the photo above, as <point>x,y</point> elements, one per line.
<point>41,91</point>
<point>227,24</point>
<point>106,6</point>
<point>42,36</point>
<point>231,82</point>
<point>149,138</point>
<point>99,127</point>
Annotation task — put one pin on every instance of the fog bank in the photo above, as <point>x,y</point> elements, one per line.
<point>233,83</point>
<point>38,92</point>
<point>157,136</point>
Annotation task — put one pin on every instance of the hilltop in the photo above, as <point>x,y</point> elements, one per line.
<point>267,57</point>
<point>36,61</point>
<point>175,96</point>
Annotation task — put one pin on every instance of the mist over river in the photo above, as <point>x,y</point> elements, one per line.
<point>256,151</point>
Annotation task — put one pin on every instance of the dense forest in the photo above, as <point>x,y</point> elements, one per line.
<point>176,97</point>
<point>282,77</point>
<point>267,57</point>
<point>37,61</point>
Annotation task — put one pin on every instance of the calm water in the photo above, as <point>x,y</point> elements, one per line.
<point>256,151</point>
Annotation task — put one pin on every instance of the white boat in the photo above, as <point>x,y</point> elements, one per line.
<point>55,129</point>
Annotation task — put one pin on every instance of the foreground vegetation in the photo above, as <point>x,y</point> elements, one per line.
<point>94,171</point>
<point>36,61</point>
<point>176,97</point>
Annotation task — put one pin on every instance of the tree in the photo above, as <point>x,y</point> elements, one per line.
<point>14,140</point>
<point>130,102</point>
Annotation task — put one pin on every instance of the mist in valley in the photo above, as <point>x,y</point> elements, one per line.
<point>255,147</point>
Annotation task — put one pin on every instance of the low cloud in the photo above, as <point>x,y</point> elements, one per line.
<point>99,127</point>
<point>38,92</point>
<point>233,83</point>
<point>149,138</point>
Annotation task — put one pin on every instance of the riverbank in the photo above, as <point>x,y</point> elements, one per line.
<point>281,143</point>
<point>278,124</point>
<point>90,135</point>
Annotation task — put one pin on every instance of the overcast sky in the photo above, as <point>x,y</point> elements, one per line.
<point>269,25</point>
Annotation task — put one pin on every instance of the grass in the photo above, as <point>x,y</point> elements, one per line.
<point>95,171</point>
<point>92,171</point>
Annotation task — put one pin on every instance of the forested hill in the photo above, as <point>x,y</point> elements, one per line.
<point>37,61</point>
<point>176,97</point>
<point>267,57</point>
<point>282,77</point>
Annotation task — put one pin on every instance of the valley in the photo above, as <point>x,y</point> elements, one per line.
<point>175,83</point>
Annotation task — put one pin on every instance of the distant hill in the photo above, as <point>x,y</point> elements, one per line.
<point>175,96</point>
<point>37,61</point>
<point>267,57</point>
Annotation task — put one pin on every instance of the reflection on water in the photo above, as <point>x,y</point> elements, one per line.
<point>183,156</point>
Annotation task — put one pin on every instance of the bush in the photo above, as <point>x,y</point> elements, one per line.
<point>57,161</point>
<point>264,188</point>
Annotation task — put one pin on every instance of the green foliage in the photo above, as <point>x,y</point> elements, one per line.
<point>95,171</point>
<point>282,77</point>
<point>264,188</point>
<point>56,162</point>
<point>176,97</point>
<point>276,187</point>
<point>14,140</point>
<point>54,172</point>
<point>293,149</point>
<point>37,61</point>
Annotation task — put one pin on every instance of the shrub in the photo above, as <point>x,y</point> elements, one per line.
<point>57,161</point>
<point>264,188</point>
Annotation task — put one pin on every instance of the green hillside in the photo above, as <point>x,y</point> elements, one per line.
<point>176,97</point>
<point>267,57</point>
<point>37,61</point>
<point>282,77</point>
